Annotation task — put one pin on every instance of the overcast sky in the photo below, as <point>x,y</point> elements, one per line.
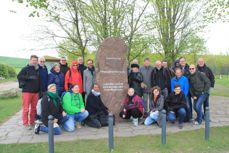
<point>18,33</point>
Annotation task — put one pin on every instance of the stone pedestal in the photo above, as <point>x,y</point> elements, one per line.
<point>111,73</point>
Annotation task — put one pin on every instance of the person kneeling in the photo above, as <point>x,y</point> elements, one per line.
<point>157,105</point>
<point>50,105</point>
<point>176,106</point>
<point>74,107</point>
<point>98,112</point>
<point>132,106</point>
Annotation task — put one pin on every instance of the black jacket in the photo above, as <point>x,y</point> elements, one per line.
<point>29,79</point>
<point>81,68</point>
<point>134,81</point>
<point>185,70</point>
<point>48,108</point>
<point>199,83</point>
<point>160,78</point>
<point>94,105</point>
<point>208,72</point>
<point>64,68</point>
<point>174,102</point>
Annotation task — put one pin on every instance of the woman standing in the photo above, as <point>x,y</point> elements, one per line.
<point>57,77</point>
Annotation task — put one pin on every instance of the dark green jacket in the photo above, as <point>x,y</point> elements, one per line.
<point>199,84</point>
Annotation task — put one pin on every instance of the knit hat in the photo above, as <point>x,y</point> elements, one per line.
<point>134,65</point>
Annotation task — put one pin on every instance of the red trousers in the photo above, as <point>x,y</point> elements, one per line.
<point>29,103</point>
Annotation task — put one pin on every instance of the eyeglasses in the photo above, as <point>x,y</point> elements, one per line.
<point>63,60</point>
<point>42,61</point>
<point>191,68</point>
<point>75,65</point>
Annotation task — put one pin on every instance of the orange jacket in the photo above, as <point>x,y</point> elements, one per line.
<point>73,77</point>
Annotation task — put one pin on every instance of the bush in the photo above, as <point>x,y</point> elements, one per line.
<point>7,71</point>
<point>11,72</point>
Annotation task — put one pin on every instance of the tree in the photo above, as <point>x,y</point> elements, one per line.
<point>175,21</point>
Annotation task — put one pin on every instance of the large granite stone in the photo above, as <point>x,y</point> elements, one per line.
<point>111,73</point>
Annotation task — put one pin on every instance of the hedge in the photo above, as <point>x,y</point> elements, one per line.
<point>7,71</point>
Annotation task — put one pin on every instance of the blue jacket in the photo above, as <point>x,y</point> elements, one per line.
<point>43,73</point>
<point>58,79</point>
<point>183,82</point>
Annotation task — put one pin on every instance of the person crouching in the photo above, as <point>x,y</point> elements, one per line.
<point>132,106</point>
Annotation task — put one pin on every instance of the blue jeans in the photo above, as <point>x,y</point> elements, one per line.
<point>69,125</point>
<point>56,130</point>
<point>152,118</point>
<point>198,106</point>
<point>206,103</point>
<point>164,92</point>
<point>181,113</point>
<point>189,106</point>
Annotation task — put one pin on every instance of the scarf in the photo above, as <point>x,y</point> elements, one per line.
<point>91,70</point>
<point>54,97</point>
<point>95,93</point>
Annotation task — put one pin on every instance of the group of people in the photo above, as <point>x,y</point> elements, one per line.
<point>62,93</point>
<point>153,89</point>
<point>73,98</point>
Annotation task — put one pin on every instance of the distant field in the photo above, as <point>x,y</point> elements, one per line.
<point>17,63</point>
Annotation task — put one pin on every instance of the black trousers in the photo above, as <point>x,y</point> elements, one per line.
<point>135,112</point>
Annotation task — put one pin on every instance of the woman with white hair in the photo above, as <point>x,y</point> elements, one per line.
<point>132,107</point>
<point>50,105</point>
<point>57,77</point>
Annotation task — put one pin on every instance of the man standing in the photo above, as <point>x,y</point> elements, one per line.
<point>81,68</point>
<point>199,87</point>
<point>63,65</point>
<point>88,78</point>
<point>202,67</point>
<point>146,71</point>
<point>160,77</point>
<point>29,81</point>
<point>184,66</point>
<point>43,72</point>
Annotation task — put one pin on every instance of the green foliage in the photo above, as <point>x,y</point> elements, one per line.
<point>187,141</point>
<point>7,71</point>
<point>11,71</point>
<point>3,71</point>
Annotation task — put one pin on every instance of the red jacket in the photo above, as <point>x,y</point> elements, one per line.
<point>137,103</point>
<point>73,76</point>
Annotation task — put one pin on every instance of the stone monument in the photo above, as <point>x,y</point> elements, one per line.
<point>111,73</point>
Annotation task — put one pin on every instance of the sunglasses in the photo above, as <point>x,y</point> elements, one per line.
<point>191,68</point>
<point>75,65</point>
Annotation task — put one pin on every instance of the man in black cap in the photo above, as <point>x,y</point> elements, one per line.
<point>135,79</point>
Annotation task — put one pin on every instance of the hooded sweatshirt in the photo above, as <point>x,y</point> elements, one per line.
<point>73,76</point>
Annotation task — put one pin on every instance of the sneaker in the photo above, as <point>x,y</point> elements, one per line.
<point>135,121</point>
<point>180,125</point>
<point>37,128</point>
<point>38,122</point>
<point>29,127</point>
<point>196,123</point>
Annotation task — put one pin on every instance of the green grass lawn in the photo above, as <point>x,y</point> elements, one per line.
<point>221,87</point>
<point>9,107</point>
<point>183,142</point>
